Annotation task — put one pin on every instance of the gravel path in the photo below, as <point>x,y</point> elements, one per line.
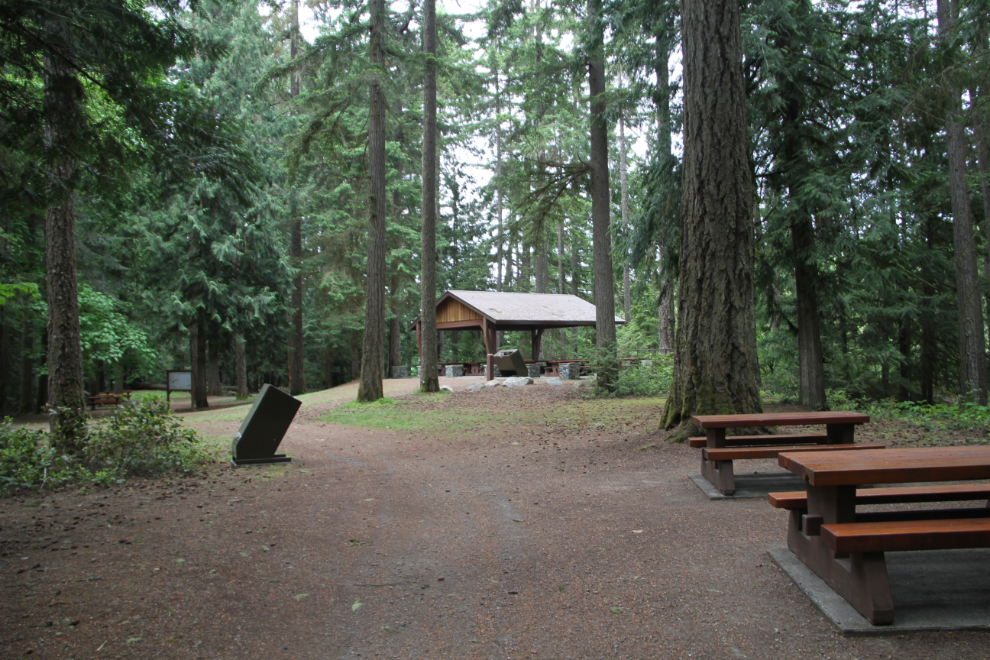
<point>547,538</point>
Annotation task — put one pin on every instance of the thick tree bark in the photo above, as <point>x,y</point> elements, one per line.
<point>624,206</point>
<point>373,353</point>
<point>62,114</point>
<point>603,295</point>
<point>560,257</point>
<point>428,379</point>
<point>972,358</point>
<point>240,352</point>
<point>716,370</point>
<point>297,365</point>
<point>200,375</point>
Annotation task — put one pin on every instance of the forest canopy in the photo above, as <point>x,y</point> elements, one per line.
<point>191,181</point>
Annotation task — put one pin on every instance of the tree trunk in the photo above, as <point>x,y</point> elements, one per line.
<point>811,369</point>
<point>716,369</point>
<point>542,267</point>
<point>666,317</point>
<point>575,276</point>
<point>394,343</point>
<point>498,177</point>
<point>25,403</point>
<point>297,365</point>
<point>240,351</point>
<point>525,269</point>
<point>215,387</point>
<point>200,374</point>
<point>661,98</point>
<point>623,187</point>
<point>604,293</point>
<point>428,379</point>
<point>63,96</point>
<point>560,257</point>
<point>972,359</point>
<point>372,355</point>
<point>194,358</point>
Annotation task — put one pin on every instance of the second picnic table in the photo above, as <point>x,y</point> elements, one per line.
<point>718,451</point>
<point>846,548</point>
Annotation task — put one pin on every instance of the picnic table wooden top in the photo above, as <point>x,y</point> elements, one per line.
<point>889,466</point>
<point>779,419</point>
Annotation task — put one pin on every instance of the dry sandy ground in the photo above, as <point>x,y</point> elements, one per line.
<point>547,537</point>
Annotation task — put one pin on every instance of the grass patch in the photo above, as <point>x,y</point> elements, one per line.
<point>431,413</point>
<point>406,414</point>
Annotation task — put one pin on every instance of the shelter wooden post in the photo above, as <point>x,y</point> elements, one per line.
<point>536,335</point>
<point>488,330</point>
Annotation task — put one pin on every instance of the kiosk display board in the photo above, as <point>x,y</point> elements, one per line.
<point>264,427</point>
<point>177,381</point>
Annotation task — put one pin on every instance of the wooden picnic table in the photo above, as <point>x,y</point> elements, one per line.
<point>846,548</point>
<point>107,399</point>
<point>719,450</point>
<point>553,366</point>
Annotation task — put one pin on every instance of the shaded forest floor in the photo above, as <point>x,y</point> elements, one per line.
<point>506,523</point>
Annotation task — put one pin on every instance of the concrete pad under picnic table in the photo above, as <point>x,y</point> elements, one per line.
<point>932,590</point>
<point>749,485</point>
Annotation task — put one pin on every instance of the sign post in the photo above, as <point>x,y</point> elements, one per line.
<point>177,381</point>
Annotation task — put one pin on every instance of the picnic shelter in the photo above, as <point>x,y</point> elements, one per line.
<point>492,311</point>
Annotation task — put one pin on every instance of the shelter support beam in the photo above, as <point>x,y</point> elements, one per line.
<point>537,337</point>
<point>488,330</point>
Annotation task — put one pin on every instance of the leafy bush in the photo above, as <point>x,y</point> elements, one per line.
<point>135,439</point>
<point>142,439</point>
<point>641,380</point>
<point>27,460</point>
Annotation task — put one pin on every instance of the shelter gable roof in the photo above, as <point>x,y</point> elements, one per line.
<point>506,307</point>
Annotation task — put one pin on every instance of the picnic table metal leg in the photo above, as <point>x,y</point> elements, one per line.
<point>860,578</point>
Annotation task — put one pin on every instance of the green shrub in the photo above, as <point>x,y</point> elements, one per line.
<point>641,380</point>
<point>142,439</point>
<point>136,439</point>
<point>28,461</point>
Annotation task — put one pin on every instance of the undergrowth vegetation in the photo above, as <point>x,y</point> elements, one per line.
<point>136,439</point>
<point>649,377</point>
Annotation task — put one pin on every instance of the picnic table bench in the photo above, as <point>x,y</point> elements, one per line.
<point>107,399</point>
<point>719,451</point>
<point>846,547</point>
